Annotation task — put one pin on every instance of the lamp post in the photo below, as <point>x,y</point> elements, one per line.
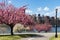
<point>56,35</point>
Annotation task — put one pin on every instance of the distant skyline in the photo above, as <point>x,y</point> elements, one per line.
<point>44,7</point>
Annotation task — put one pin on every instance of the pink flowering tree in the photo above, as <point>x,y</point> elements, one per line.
<point>11,15</point>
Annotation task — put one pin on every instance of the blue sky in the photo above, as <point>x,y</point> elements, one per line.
<point>44,7</point>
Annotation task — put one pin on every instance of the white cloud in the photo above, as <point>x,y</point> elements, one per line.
<point>46,9</point>
<point>9,2</point>
<point>39,9</point>
<point>58,14</point>
<point>43,11</point>
<point>47,14</point>
<point>58,7</point>
<point>29,11</point>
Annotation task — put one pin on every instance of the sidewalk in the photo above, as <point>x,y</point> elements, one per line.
<point>45,36</point>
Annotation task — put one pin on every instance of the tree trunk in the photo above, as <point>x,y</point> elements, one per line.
<point>11,30</point>
<point>11,26</point>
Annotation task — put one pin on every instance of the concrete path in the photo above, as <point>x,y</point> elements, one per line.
<point>43,36</point>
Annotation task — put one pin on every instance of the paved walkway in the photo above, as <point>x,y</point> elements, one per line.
<point>43,36</point>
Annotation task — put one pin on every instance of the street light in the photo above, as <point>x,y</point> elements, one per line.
<point>56,35</point>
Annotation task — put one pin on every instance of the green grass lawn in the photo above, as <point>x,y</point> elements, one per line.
<point>15,37</point>
<point>10,37</point>
<point>53,38</point>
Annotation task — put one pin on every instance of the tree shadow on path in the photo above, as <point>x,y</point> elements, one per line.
<point>31,35</point>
